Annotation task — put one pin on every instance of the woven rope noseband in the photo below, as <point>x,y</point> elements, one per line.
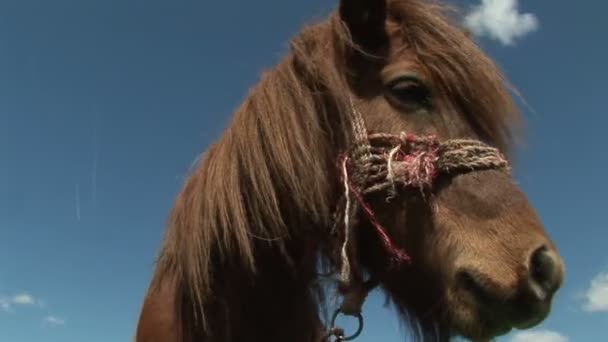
<point>388,163</point>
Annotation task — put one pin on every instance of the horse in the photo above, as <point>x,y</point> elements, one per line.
<point>376,155</point>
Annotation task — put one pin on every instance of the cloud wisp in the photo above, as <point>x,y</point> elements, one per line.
<point>596,296</point>
<point>500,20</point>
<point>22,299</point>
<point>54,321</point>
<point>10,304</point>
<point>539,336</point>
<point>5,305</point>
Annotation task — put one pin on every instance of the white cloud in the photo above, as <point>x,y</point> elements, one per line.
<point>539,336</point>
<point>24,299</point>
<point>5,305</point>
<point>596,297</point>
<point>54,320</point>
<point>500,20</point>
<point>8,303</point>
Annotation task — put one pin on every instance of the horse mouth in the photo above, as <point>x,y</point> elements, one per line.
<point>467,322</point>
<point>485,326</point>
<point>480,319</point>
<point>483,330</point>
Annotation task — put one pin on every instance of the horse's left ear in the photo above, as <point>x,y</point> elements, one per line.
<point>365,20</point>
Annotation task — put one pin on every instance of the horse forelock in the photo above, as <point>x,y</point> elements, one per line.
<point>270,175</point>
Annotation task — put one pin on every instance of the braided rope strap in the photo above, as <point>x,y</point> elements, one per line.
<point>416,161</point>
<point>389,162</point>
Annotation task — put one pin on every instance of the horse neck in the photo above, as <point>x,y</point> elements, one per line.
<point>276,301</point>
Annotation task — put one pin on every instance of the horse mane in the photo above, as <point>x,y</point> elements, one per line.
<point>272,153</point>
<point>271,171</point>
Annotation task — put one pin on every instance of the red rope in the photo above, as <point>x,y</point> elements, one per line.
<point>398,255</point>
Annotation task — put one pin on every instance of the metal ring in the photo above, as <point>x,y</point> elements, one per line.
<point>359,328</point>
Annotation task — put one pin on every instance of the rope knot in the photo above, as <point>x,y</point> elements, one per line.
<point>413,162</point>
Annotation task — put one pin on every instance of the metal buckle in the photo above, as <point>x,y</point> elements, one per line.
<point>353,336</point>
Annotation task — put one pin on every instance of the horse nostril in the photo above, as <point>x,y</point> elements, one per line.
<point>545,272</point>
<point>522,303</point>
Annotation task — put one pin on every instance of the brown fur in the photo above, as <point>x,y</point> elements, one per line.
<point>239,259</point>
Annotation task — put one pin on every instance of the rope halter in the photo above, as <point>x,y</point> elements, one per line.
<point>407,160</point>
<point>388,163</point>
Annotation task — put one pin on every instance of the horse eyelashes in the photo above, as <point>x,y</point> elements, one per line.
<point>409,93</point>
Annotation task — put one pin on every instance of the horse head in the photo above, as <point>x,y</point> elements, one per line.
<point>479,261</point>
<point>380,145</point>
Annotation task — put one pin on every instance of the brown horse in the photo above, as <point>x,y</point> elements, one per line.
<point>291,183</point>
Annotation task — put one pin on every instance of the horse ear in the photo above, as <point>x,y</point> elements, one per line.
<point>365,20</point>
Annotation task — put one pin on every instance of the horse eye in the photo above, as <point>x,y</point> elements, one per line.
<point>410,93</point>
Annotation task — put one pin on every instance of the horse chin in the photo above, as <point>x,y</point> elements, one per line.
<point>480,329</point>
<point>466,320</point>
<point>483,319</point>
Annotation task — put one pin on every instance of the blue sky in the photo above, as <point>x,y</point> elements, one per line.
<point>105,104</point>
